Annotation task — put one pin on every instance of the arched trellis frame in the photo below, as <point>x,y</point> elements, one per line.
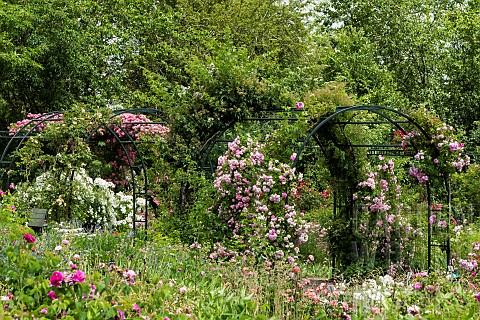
<point>387,116</point>
<point>136,166</point>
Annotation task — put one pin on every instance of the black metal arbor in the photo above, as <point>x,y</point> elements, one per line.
<point>345,183</point>
<point>136,167</point>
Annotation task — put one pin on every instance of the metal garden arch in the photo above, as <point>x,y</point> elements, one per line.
<point>138,167</point>
<point>387,116</point>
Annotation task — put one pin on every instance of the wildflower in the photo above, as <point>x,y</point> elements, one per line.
<point>76,257</point>
<point>296,269</point>
<point>293,156</point>
<point>44,311</point>
<point>183,290</point>
<point>413,310</point>
<point>29,238</point>
<point>130,274</point>
<point>65,242</point>
<point>58,248</point>
<point>56,279</point>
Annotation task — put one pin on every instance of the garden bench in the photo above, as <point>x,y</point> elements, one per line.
<point>38,220</point>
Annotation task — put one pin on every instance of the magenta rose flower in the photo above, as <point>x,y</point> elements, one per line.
<point>56,279</point>
<point>78,276</point>
<point>52,295</point>
<point>29,238</point>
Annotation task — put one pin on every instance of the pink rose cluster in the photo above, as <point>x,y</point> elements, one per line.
<point>58,278</point>
<point>138,125</point>
<point>32,120</point>
<point>252,193</point>
<point>379,194</point>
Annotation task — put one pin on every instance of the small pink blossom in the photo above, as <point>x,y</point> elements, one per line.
<point>29,238</point>
<point>52,295</point>
<point>299,105</point>
<point>136,308</point>
<point>121,314</point>
<point>44,311</point>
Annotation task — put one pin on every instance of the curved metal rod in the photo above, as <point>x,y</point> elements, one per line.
<point>208,145</point>
<point>17,133</point>
<point>374,109</point>
<point>380,111</point>
<point>38,121</point>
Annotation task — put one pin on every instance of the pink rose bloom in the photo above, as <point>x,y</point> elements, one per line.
<point>29,238</point>
<point>121,314</point>
<point>136,308</point>
<point>52,295</point>
<point>56,279</point>
<point>417,286</point>
<point>78,276</point>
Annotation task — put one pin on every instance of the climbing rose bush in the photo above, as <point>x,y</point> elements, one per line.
<point>384,226</point>
<point>125,125</point>
<point>33,122</point>
<point>443,154</point>
<point>253,193</point>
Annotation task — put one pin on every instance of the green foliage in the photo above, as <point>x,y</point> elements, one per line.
<point>12,218</point>
<point>406,54</point>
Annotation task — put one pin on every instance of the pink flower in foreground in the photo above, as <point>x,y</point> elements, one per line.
<point>136,308</point>
<point>78,276</point>
<point>299,105</point>
<point>52,295</point>
<point>293,157</point>
<point>417,286</point>
<point>29,238</point>
<point>56,279</point>
<point>44,311</point>
<point>121,314</point>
